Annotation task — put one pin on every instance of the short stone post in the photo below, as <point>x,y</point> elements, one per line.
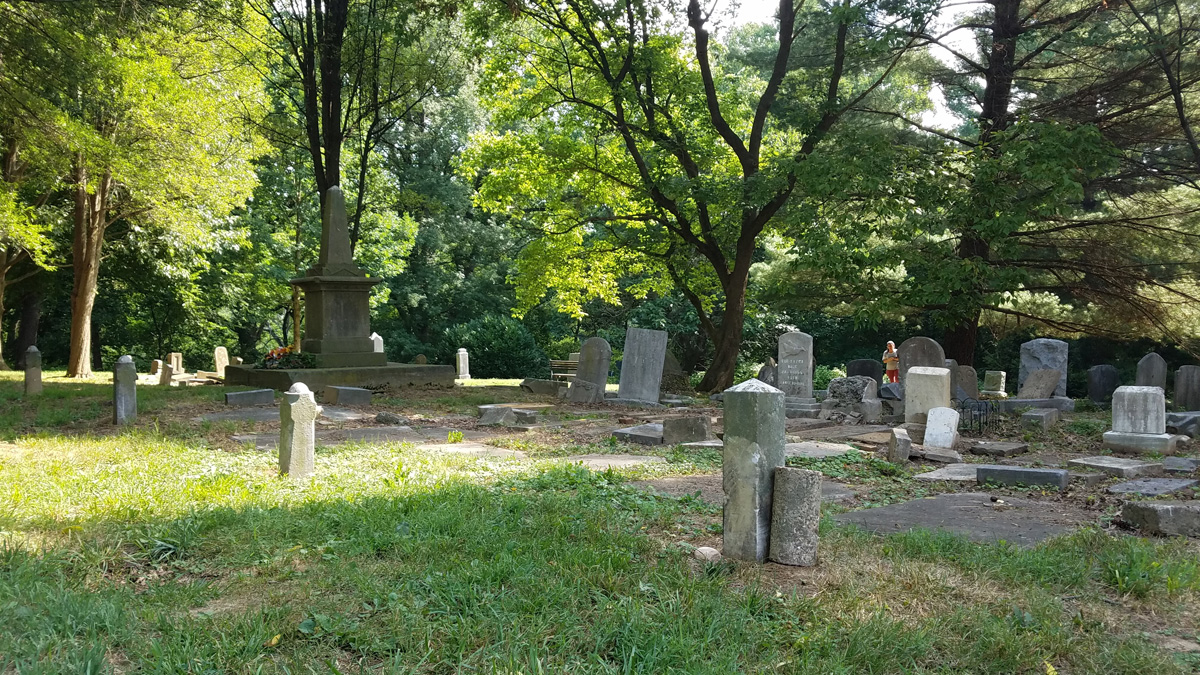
<point>297,431</point>
<point>33,371</point>
<point>753,449</point>
<point>124,391</point>
<point>899,446</point>
<point>795,515</point>
<point>462,364</point>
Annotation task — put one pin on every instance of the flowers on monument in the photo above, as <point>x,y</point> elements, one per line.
<point>286,358</point>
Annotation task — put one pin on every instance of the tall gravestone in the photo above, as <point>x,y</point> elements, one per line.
<point>462,364</point>
<point>297,431</point>
<point>794,372</point>
<point>1139,421</point>
<point>642,365</point>
<point>1102,381</point>
<point>337,325</point>
<point>591,375</point>
<point>753,449</point>
<point>33,371</point>
<point>124,391</point>
<point>166,375</point>
<point>1152,372</point>
<point>377,343</point>
<point>1044,354</point>
<point>176,361</point>
<point>920,351</point>
<point>866,368</point>
<point>220,360</point>
<point>926,388</point>
<point>1187,388</point>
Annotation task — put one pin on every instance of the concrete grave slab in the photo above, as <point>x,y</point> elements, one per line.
<point>1167,518</point>
<point>940,455</point>
<point>1182,465</point>
<point>600,462</point>
<point>711,443</point>
<point>1041,419</point>
<point>271,414</point>
<point>246,399</point>
<point>1010,476</point>
<point>1117,466</point>
<point>355,396</point>
<point>709,487</point>
<point>474,450</point>
<point>1060,403</point>
<point>677,430</point>
<point>1153,487</point>
<point>816,449</point>
<point>973,515</point>
<point>959,473</point>
<point>642,434</point>
<point>999,448</point>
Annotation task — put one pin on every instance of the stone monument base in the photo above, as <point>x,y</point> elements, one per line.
<point>1142,444</point>
<point>395,375</point>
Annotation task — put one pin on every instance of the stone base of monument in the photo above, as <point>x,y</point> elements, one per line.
<point>989,395</point>
<point>396,375</point>
<point>1142,444</point>
<point>797,407</point>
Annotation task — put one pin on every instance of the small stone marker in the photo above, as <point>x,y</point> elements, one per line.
<point>1117,466</point>
<point>1180,465</point>
<point>377,343</point>
<point>999,448</point>
<point>899,446</point>
<point>1187,388</point>
<point>1010,476</point>
<point>591,376</point>
<point>1102,381</point>
<point>544,387</point>
<point>920,351</point>
<point>964,383</point>
<point>124,391</point>
<point>1044,354</point>
<point>297,432</point>
<point>237,361</point>
<point>769,372</point>
<point>1039,418</point>
<point>754,440</point>
<point>462,364</point>
<point>420,360</point>
<point>247,399</point>
<point>1166,518</point>
<point>33,371</point>
<point>642,365</point>
<point>925,388</point>
<point>678,430</point>
<point>1039,384</point>
<point>1139,417</point>
<point>994,384</point>
<point>220,360</point>
<point>866,368</point>
<point>176,361</point>
<point>1152,372</point>
<point>496,416</point>
<point>795,370</point>
<point>642,434</point>
<point>795,515</point>
<point>1153,487</point>
<point>706,554</point>
<point>166,375</point>
<point>352,396</point>
<point>941,429</point>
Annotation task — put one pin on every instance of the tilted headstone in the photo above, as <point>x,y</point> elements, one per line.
<point>33,371</point>
<point>994,384</point>
<point>352,396</point>
<point>124,391</point>
<point>297,431</point>
<point>1039,384</point>
<point>925,388</point>
<point>941,428</point>
<point>1102,381</point>
<point>1139,421</point>
<point>769,372</point>
<point>1187,388</point>
<point>176,361</point>
<point>899,446</point>
<point>591,375</point>
<point>920,351</point>
<point>1152,372</point>
<point>220,360</point>
<point>693,429</point>
<point>866,368</point>
<point>1044,354</point>
<point>155,366</point>
<point>462,364</point>
<point>166,375</point>
<point>964,383</point>
<point>795,515</point>
<point>753,449</point>
<point>377,343</point>
<point>642,364</point>
<point>795,369</point>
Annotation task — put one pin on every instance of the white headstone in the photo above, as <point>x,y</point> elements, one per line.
<point>941,428</point>
<point>925,388</point>
<point>297,431</point>
<point>220,360</point>
<point>166,375</point>
<point>1139,410</point>
<point>462,364</point>
<point>377,341</point>
<point>124,391</point>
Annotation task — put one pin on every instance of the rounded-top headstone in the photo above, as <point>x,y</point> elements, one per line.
<point>1044,354</point>
<point>1152,371</point>
<point>920,351</point>
<point>298,388</point>
<point>794,372</point>
<point>866,368</point>
<point>1187,388</point>
<point>1102,381</point>
<point>125,359</point>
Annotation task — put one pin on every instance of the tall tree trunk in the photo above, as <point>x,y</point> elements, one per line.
<point>728,343</point>
<point>27,332</point>
<point>90,213</point>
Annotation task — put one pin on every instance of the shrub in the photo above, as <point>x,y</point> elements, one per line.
<point>823,374</point>
<point>499,346</point>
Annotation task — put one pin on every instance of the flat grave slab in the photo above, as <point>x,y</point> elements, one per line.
<point>999,448</point>
<point>474,450</point>
<point>838,432</point>
<point>1153,487</point>
<point>271,414</point>
<point>1180,465</point>
<point>876,437</point>
<point>709,487</point>
<point>973,515</point>
<point>962,473</point>
<point>816,449</point>
<point>602,462</point>
<point>710,443</point>
<point>1117,466</point>
<point>642,434</point>
<point>392,434</point>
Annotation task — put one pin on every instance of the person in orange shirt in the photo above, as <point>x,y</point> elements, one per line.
<point>891,363</point>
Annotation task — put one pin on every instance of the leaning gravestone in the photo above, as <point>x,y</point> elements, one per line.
<point>1187,388</point>
<point>920,351</point>
<point>769,372</point>
<point>297,432</point>
<point>1044,354</point>
<point>1102,381</point>
<point>642,365</point>
<point>867,368</point>
<point>795,366</point>
<point>462,364</point>
<point>1152,372</point>
<point>33,371</point>
<point>124,391</point>
<point>795,515</point>
<point>166,375</point>
<point>964,383</point>
<point>220,360</point>
<point>1040,384</point>
<point>753,449</point>
<point>591,376</point>
<point>1139,421</point>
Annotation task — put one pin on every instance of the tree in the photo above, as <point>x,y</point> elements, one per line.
<point>634,147</point>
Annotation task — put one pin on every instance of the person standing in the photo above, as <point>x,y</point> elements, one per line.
<point>891,362</point>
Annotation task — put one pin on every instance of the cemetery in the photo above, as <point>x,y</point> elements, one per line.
<point>628,337</point>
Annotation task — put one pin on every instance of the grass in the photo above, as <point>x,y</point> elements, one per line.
<point>154,552</point>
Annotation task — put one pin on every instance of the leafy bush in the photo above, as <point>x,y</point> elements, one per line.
<point>823,374</point>
<point>499,346</point>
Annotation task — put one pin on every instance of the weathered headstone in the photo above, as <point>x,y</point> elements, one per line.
<point>674,380</point>
<point>795,515</point>
<point>994,384</point>
<point>1039,384</point>
<point>176,361</point>
<point>124,391</point>
<point>920,351</point>
<point>642,365</point>
<point>1039,418</point>
<point>754,440</point>
<point>591,376</point>
<point>420,360</point>
<point>867,368</point>
<point>155,366</point>
<point>1187,388</point>
<point>1102,381</point>
<point>33,371</point>
<point>496,415</point>
<point>462,364</point>
<point>795,369</point>
<point>166,375</point>
<point>769,372</point>
<point>297,432</point>
<point>964,383</point>
<point>678,430</point>
<point>941,428</point>
<point>220,360</point>
<point>1152,372</point>
<point>899,446</point>
<point>925,388</point>
<point>1139,417</point>
<point>352,396</point>
<point>377,343</point>
<point>1044,354</point>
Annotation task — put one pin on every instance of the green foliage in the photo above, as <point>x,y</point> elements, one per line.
<point>823,374</point>
<point>499,347</point>
<point>275,360</point>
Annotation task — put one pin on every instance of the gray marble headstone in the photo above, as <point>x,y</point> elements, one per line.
<point>1187,388</point>
<point>377,342</point>
<point>220,360</point>
<point>124,391</point>
<point>1102,381</point>
<point>33,371</point>
<point>1044,354</point>
<point>1152,372</point>
<point>753,449</point>
<point>867,368</point>
<point>794,372</point>
<point>297,431</point>
<point>964,383</point>
<point>462,364</point>
<point>591,376</point>
<point>920,351</point>
<point>795,515</point>
<point>642,364</point>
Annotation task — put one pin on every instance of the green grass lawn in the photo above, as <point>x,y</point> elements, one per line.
<point>142,551</point>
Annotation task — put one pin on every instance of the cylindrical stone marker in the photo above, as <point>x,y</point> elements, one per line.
<point>795,515</point>
<point>462,364</point>
<point>297,431</point>
<point>753,449</point>
<point>124,391</point>
<point>33,371</point>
